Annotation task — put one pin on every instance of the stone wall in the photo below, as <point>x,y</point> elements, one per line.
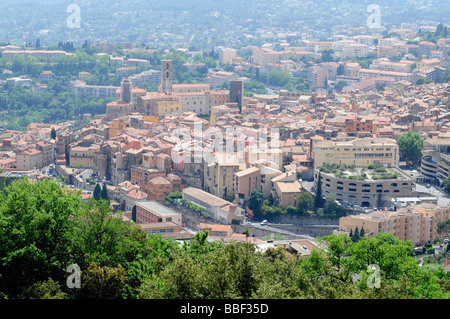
<point>299,220</point>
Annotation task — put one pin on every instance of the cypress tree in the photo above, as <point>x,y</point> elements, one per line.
<point>356,235</point>
<point>97,192</point>
<point>318,201</point>
<point>104,193</point>
<point>133,213</point>
<point>362,233</point>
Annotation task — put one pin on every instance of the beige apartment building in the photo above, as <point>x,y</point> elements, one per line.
<point>219,176</point>
<point>216,79</point>
<point>287,193</point>
<point>417,224</point>
<point>154,104</point>
<point>29,159</point>
<point>39,54</point>
<point>227,55</point>
<point>81,89</point>
<point>351,69</point>
<point>317,77</point>
<point>370,74</point>
<point>271,154</point>
<point>358,152</point>
<point>245,182</point>
<point>83,156</point>
<point>386,65</point>
<point>189,88</point>
<point>262,57</point>
<point>48,152</point>
<point>267,175</point>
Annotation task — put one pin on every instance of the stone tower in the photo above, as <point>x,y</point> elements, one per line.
<point>237,92</point>
<point>125,91</point>
<point>166,77</point>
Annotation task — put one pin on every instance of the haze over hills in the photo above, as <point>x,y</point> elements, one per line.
<point>201,23</point>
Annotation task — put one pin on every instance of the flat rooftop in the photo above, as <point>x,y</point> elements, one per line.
<point>157,208</point>
<point>205,197</point>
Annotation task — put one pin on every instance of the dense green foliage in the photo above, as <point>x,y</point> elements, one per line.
<point>411,145</point>
<point>57,104</point>
<point>174,196</point>
<point>441,32</point>
<point>45,228</point>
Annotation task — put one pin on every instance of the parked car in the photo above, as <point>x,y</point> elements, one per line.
<point>264,223</point>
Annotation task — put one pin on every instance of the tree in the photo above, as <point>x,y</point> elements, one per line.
<point>102,282</point>
<point>446,185</point>
<point>444,228</point>
<point>305,203</point>
<point>48,289</point>
<point>36,226</point>
<point>362,232</point>
<point>411,145</point>
<point>318,201</point>
<point>256,201</point>
<point>327,55</point>
<point>133,213</point>
<point>330,204</point>
<point>104,193</point>
<point>53,134</point>
<point>97,192</point>
<point>356,235</point>
<point>38,43</point>
<point>101,237</point>
<point>339,86</point>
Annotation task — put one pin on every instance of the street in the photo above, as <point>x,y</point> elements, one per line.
<point>443,199</point>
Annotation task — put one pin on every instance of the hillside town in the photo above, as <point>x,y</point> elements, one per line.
<point>194,152</point>
<point>189,156</point>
